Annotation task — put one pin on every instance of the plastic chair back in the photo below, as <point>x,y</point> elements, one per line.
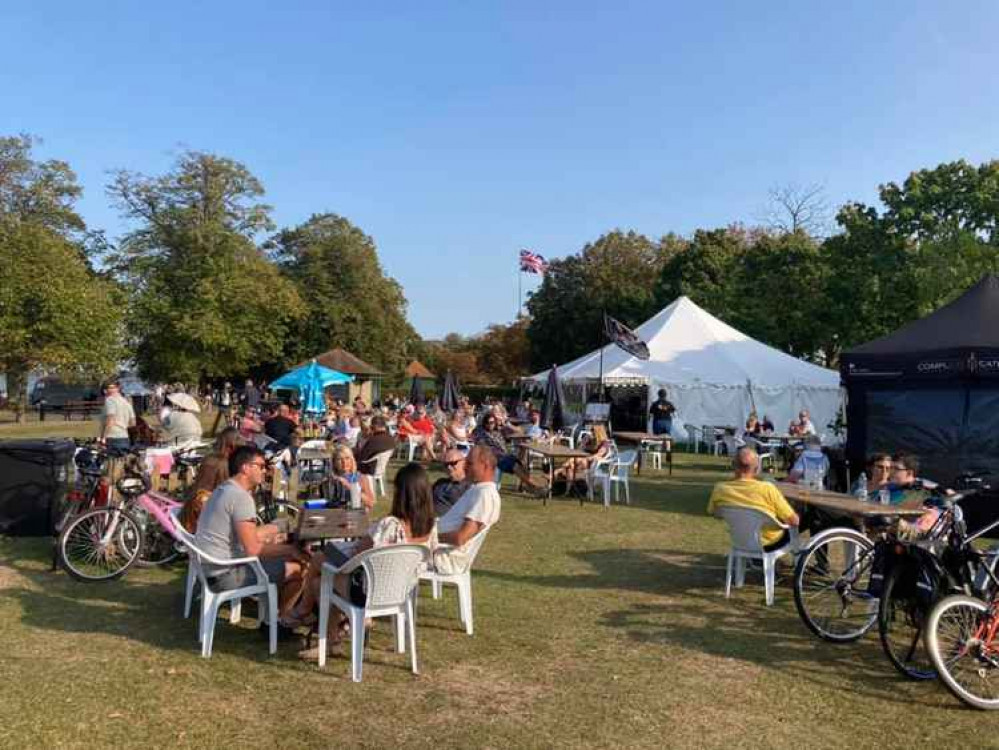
<point>744,526</point>
<point>392,573</point>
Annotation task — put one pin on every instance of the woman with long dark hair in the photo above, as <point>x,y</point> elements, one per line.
<point>214,470</point>
<point>411,521</point>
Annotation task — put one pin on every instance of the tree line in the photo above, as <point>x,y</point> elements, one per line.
<point>812,296</point>
<point>203,285</point>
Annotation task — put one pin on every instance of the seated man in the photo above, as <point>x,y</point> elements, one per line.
<point>489,435</point>
<point>906,489</point>
<point>812,463</point>
<point>478,508</point>
<point>281,426</point>
<point>448,490</point>
<point>227,529</point>
<point>379,441</point>
<point>746,491</point>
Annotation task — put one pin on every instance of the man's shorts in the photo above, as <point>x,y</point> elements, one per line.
<point>244,575</point>
<point>507,463</point>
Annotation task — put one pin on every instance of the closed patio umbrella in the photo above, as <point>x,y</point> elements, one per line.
<point>553,407</point>
<point>449,393</point>
<point>416,394</point>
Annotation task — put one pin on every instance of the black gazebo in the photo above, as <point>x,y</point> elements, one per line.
<point>931,389</point>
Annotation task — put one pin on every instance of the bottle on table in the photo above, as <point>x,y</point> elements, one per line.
<point>862,487</point>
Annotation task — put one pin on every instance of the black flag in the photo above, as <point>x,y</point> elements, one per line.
<point>625,338</point>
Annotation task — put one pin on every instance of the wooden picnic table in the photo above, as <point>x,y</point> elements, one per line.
<point>327,523</point>
<point>846,505</point>
<point>643,438</point>
<point>553,452</point>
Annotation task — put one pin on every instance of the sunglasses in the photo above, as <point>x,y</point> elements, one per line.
<point>452,464</point>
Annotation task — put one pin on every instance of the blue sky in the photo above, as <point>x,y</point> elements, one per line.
<point>457,133</point>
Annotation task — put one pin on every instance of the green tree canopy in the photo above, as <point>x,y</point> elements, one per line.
<point>55,312</point>
<point>352,303</point>
<point>38,192</point>
<point>206,302</point>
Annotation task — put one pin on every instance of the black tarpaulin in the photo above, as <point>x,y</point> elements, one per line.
<point>931,389</point>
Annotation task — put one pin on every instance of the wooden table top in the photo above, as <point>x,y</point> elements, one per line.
<point>331,523</point>
<point>641,437</point>
<point>555,451</point>
<point>846,505</point>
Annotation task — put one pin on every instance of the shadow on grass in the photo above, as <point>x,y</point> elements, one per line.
<point>772,638</point>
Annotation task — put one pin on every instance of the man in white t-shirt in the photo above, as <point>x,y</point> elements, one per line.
<point>477,509</point>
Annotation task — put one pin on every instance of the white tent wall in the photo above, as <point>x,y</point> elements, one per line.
<point>705,404</point>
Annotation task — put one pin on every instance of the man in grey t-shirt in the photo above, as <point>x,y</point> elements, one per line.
<point>227,529</point>
<point>117,416</point>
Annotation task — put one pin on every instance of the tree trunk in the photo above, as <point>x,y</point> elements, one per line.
<point>17,385</point>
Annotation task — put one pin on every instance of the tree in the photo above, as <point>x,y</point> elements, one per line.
<point>797,208</point>
<point>55,312</point>
<point>504,352</point>
<point>351,302</point>
<point>616,274</point>
<point>37,192</point>
<point>206,302</point>
<point>706,270</point>
<point>773,270</point>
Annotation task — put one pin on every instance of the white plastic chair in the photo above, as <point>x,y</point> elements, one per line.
<point>381,462</point>
<point>613,470</point>
<point>694,436</point>
<point>265,592</point>
<point>744,527</point>
<point>391,575</point>
<point>462,579</point>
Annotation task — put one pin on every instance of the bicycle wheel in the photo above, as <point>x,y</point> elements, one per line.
<point>962,650</point>
<point>158,547</point>
<point>831,585</point>
<point>100,545</point>
<point>905,608</point>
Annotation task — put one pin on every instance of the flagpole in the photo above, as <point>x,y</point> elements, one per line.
<point>600,392</point>
<point>520,292</point>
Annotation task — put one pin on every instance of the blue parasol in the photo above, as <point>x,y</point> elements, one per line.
<point>310,381</point>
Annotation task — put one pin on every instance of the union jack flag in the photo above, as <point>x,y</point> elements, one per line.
<point>531,262</point>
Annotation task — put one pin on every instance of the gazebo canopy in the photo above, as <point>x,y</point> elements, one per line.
<point>417,369</point>
<point>343,361</point>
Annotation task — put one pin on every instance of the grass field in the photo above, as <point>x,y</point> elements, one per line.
<point>594,628</point>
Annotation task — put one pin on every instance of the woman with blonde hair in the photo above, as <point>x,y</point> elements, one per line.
<point>345,484</point>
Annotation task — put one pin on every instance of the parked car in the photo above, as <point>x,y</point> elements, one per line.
<point>55,394</point>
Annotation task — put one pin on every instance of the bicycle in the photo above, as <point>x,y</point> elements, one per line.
<point>961,631</point>
<point>103,542</point>
<point>846,582</point>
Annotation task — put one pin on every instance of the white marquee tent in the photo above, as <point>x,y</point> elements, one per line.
<point>714,374</point>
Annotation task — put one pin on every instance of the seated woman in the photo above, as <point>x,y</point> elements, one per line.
<point>214,470</point>
<point>346,482</point>
<point>576,468</point>
<point>179,425</point>
<point>753,426</point>
<point>878,474</point>
<point>457,433</point>
<point>411,521</point>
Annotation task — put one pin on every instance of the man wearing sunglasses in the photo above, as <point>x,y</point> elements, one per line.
<point>227,529</point>
<point>449,489</point>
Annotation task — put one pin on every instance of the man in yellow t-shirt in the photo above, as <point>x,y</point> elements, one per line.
<point>746,491</point>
